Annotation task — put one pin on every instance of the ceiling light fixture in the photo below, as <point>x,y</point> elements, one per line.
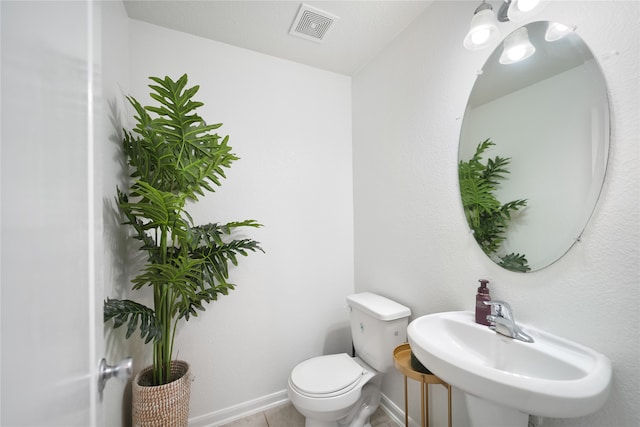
<point>484,28</point>
<point>517,47</point>
<point>556,31</point>
<point>517,9</point>
<point>484,24</point>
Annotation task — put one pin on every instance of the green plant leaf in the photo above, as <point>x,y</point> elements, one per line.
<point>189,154</point>
<point>515,262</point>
<point>160,209</point>
<point>488,218</point>
<point>133,315</point>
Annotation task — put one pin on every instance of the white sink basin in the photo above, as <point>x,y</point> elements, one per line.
<point>551,377</point>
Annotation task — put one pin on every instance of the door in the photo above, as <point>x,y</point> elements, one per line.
<point>51,294</point>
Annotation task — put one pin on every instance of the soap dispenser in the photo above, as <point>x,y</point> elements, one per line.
<point>483,310</point>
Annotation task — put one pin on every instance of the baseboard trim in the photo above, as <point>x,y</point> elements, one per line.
<point>236,412</point>
<point>394,412</point>
<point>242,410</point>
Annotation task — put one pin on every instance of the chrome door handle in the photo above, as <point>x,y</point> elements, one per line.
<point>120,370</point>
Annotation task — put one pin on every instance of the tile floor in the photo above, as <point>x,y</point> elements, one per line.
<point>287,416</point>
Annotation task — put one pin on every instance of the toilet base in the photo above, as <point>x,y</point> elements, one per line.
<point>359,415</point>
<point>315,423</point>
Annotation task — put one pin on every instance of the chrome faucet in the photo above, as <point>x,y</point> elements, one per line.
<point>501,320</point>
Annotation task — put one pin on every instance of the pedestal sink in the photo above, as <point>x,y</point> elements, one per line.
<point>551,377</point>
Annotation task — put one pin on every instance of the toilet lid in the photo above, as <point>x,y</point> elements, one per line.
<point>326,374</point>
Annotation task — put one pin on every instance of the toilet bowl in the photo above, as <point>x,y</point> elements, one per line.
<point>338,390</point>
<point>334,390</point>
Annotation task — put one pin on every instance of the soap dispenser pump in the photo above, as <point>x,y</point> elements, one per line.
<point>483,310</point>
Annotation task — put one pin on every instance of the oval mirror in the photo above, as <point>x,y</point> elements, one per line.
<point>533,147</point>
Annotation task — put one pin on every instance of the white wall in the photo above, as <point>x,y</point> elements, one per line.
<point>291,126</point>
<point>411,239</point>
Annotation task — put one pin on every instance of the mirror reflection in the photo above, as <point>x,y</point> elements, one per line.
<point>533,147</point>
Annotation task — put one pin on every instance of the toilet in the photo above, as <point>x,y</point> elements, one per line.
<point>338,390</point>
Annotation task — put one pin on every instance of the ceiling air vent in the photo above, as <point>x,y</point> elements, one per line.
<point>312,23</point>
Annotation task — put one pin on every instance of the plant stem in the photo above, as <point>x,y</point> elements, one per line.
<point>162,313</point>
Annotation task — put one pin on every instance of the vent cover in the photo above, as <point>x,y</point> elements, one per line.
<point>312,23</point>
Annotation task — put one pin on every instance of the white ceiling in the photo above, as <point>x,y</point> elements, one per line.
<point>363,29</point>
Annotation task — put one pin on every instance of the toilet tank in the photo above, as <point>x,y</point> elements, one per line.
<point>378,325</point>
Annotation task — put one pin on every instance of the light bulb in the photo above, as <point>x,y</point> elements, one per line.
<point>483,30</point>
<point>561,27</point>
<point>519,9</point>
<point>480,36</point>
<point>516,54</point>
<point>516,47</point>
<point>527,5</point>
<point>556,31</point>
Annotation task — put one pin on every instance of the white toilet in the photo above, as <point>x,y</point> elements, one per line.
<point>343,391</point>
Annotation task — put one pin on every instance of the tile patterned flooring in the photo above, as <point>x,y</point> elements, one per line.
<point>287,416</point>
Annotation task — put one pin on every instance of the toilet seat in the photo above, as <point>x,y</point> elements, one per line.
<point>327,376</point>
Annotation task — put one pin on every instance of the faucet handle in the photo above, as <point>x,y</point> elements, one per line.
<point>500,308</point>
<point>501,320</point>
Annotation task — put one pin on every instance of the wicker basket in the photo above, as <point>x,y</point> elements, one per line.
<point>166,405</point>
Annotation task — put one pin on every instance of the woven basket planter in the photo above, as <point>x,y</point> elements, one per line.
<point>165,405</point>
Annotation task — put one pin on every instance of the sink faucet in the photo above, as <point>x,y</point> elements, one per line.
<point>501,320</point>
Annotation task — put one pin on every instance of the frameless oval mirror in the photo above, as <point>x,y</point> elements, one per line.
<point>533,148</point>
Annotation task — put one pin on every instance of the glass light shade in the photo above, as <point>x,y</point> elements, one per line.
<point>483,30</point>
<point>556,31</point>
<point>519,8</point>
<point>517,47</point>
<point>526,5</point>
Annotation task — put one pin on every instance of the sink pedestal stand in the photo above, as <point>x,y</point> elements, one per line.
<point>483,413</point>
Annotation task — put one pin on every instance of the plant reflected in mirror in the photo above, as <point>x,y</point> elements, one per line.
<point>489,218</point>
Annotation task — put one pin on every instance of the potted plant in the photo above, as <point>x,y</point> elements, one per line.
<point>487,216</point>
<point>173,158</point>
